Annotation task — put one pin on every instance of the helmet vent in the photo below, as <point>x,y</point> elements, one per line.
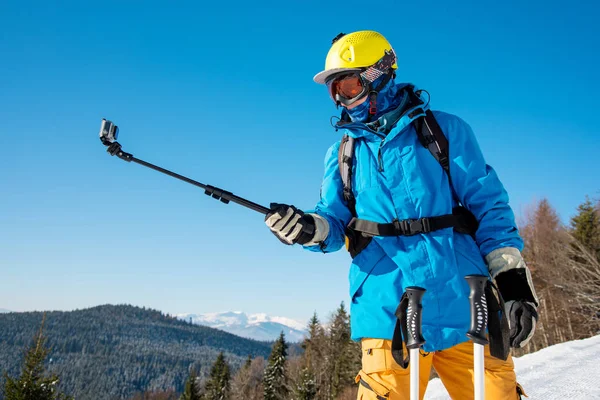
<point>360,36</point>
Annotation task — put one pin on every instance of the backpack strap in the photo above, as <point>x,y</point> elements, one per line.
<point>345,163</point>
<point>431,137</point>
<point>355,241</point>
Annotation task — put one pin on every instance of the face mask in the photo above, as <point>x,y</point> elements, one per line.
<point>386,100</point>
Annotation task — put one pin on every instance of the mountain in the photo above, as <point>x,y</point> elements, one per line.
<point>111,352</point>
<point>253,326</point>
<point>4,310</point>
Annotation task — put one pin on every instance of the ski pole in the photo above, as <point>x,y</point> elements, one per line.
<point>108,136</point>
<point>479,318</point>
<point>415,339</point>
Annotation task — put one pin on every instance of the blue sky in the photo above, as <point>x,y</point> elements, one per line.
<point>222,92</point>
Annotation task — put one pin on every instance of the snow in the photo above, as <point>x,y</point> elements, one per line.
<point>254,326</point>
<point>563,371</point>
<point>260,318</point>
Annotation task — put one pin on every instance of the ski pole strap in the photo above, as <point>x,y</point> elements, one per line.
<point>401,332</point>
<point>409,227</point>
<point>498,329</point>
<point>407,331</point>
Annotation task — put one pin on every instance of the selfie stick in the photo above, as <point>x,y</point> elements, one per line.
<point>479,318</point>
<point>108,136</point>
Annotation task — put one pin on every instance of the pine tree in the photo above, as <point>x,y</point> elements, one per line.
<point>218,385</point>
<point>586,227</point>
<point>307,387</point>
<point>343,354</point>
<point>248,363</point>
<point>315,350</point>
<point>191,391</point>
<point>314,343</point>
<point>32,384</point>
<point>275,380</point>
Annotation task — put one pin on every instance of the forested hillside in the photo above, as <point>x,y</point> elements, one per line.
<point>109,352</point>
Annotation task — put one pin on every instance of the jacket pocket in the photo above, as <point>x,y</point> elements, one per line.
<point>362,266</point>
<point>370,389</point>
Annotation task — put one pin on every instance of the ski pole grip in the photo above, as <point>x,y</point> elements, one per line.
<point>414,316</point>
<point>479,311</point>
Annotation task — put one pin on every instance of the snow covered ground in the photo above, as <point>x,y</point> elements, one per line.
<point>565,371</point>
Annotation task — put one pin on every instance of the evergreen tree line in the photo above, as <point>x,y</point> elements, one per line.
<point>112,352</point>
<point>324,371</point>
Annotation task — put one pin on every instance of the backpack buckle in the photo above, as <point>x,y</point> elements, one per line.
<point>411,227</point>
<point>414,226</point>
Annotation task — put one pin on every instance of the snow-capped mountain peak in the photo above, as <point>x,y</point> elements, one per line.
<point>254,326</point>
<point>262,318</point>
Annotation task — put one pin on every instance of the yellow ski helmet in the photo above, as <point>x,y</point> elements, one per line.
<point>354,52</point>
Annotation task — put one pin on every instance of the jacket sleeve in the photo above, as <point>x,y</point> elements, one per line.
<point>479,189</point>
<point>332,206</point>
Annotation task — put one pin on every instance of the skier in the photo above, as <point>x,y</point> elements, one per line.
<point>411,215</point>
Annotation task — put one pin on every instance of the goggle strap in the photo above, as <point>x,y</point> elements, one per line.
<point>373,103</point>
<point>380,67</point>
<point>373,94</point>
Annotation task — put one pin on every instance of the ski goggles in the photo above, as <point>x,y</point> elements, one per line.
<point>350,86</point>
<point>347,88</point>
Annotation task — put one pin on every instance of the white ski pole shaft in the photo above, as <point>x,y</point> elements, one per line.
<point>479,317</point>
<point>415,338</point>
<point>479,371</point>
<point>414,374</point>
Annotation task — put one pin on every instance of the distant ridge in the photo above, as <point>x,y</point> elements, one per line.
<point>253,326</point>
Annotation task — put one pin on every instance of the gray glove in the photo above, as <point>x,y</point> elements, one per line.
<point>514,283</point>
<point>292,226</point>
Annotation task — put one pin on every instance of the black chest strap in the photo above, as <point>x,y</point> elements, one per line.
<point>461,220</point>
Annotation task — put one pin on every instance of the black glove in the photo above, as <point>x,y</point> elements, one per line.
<point>290,225</point>
<point>520,304</point>
<point>522,318</point>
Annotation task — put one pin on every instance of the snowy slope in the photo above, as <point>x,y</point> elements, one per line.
<point>253,326</point>
<point>564,371</point>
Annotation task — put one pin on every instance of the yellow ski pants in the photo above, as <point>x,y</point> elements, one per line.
<point>381,378</point>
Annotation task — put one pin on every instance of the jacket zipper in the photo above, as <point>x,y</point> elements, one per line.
<point>380,156</point>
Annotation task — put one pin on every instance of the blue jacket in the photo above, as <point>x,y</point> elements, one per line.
<point>398,178</point>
